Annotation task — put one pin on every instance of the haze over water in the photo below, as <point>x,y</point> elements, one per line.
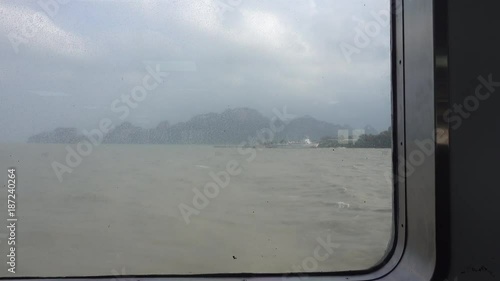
<point>118,211</point>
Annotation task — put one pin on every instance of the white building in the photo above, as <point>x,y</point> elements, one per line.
<point>356,134</point>
<point>343,136</point>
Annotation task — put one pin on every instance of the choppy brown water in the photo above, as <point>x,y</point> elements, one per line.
<point>118,211</point>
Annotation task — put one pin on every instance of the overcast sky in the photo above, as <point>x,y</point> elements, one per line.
<point>257,54</point>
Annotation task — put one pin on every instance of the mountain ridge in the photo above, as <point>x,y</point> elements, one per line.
<point>232,126</point>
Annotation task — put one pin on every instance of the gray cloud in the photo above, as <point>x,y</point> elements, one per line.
<point>261,54</point>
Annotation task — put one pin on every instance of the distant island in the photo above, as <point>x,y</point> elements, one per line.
<point>382,140</point>
<point>231,127</point>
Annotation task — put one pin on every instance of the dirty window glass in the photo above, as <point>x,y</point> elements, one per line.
<point>194,137</point>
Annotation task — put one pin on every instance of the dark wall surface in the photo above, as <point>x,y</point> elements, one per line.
<point>474,52</point>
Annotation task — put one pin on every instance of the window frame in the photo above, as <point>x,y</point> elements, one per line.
<point>413,255</point>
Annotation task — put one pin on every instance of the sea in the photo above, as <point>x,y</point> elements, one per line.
<point>122,209</point>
